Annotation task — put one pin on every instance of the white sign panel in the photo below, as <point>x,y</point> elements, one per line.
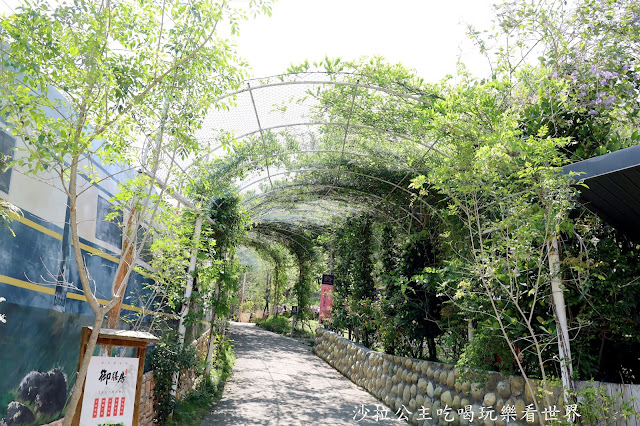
<point>109,392</point>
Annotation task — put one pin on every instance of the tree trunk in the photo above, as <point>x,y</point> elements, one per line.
<point>603,339</point>
<point>266,296</point>
<point>560,313</point>
<point>98,310</point>
<point>244,282</point>
<point>128,248</point>
<point>431,343</point>
<point>276,303</point>
<point>182,329</point>
<point>82,373</point>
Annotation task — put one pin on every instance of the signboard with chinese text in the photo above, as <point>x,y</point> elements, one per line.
<point>327,279</point>
<point>326,301</point>
<point>109,392</point>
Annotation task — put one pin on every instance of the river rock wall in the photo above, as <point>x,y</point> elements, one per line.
<point>427,388</point>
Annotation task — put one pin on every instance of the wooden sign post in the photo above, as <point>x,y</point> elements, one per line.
<point>126,338</point>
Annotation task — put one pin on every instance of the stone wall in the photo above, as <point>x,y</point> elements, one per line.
<point>147,413</point>
<point>414,383</point>
<point>189,378</point>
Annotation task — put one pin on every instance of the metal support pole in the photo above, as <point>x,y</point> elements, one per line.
<point>244,282</point>
<point>182,330</point>
<point>192,267</point>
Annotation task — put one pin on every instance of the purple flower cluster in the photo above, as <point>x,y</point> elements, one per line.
<point>604,76</point>
<point>605,98</point>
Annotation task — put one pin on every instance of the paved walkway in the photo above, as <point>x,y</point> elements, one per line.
<point>279,381</point>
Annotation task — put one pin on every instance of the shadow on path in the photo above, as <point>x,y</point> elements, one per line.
<point>279,381</point>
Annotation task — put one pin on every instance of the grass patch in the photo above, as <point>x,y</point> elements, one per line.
<point>279,324</point>
<point>196,405</point>
<point>282,325</point>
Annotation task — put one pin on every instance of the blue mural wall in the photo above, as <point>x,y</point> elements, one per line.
<point>39,344</point>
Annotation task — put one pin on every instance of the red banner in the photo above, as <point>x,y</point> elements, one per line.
<point>326,301</point>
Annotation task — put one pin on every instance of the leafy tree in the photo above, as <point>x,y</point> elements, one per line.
<point>7,210</point>
<point>124,70</point>
<point>278,260</point>
<point>506,190</point>
<point>603,302</point>
<point>586,72</point>
<point>169,261</point>
<point>584,87</point>
<point>421,306</point>
<point>168,359</point>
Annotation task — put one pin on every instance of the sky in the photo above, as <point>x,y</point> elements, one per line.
<point>426,35</point>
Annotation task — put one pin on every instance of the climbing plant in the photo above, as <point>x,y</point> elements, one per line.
<point>168,359</point>
<point>354,292</point>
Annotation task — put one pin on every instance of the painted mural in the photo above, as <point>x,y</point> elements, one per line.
<point>39,342</point>
<point>44,310</point>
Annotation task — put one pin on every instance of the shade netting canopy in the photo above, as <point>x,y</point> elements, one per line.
<point>308,150</point>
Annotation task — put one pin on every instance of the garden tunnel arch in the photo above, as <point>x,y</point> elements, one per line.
<point>291,153</point>
<point>316,141</point>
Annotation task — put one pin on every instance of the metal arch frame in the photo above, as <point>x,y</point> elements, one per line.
<point>265,209</point>
<point>377,197</point>
<point>343,171</point>
<point>376,209</point>
<point>258,244</point>
<point>188,203</point>
<point>310,203</point>
<point>326,123</point>
<point>346,130</point>
<point>336,123</point>
<point>267,227</point>
<point>262,216</point>
<point>283,229</point>
<point>322,83</point>
<point>285,236</point>
<point>321,185</point>
<point>364,193</point>
<point>263,240</point>
<point>312,227</point>
<point>357,75</point>
<point>319,151</point>
<point>264,144</point>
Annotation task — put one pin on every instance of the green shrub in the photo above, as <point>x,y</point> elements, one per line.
<point>278,325</point>
<point>167,359</point>
<point>192,409</point>
<point>598,407</point>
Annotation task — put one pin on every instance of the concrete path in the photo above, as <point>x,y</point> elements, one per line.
<point>279,381</point>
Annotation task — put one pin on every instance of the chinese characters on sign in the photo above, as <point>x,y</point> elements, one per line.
<point>109,393</point>
<point>112,375</point>
<point>326,301</point>
<point>507,414</point>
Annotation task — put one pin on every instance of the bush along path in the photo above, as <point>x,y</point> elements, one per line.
<point>191,409</point>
